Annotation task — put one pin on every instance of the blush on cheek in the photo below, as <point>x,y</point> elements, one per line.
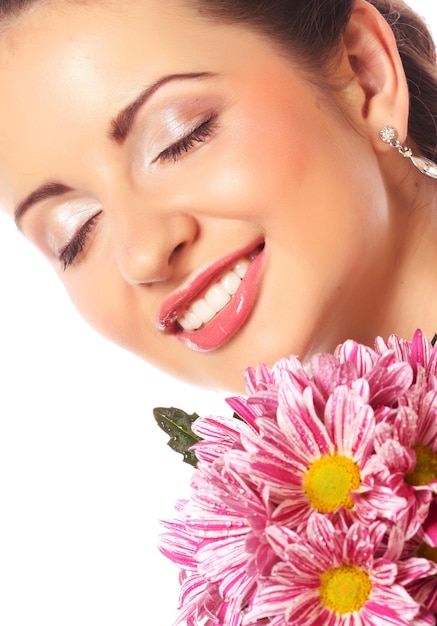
<point>282,144</point>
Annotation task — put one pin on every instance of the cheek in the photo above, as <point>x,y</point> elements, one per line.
<point>273,147</point>
<point>102,298</point>
<point>249,170</point>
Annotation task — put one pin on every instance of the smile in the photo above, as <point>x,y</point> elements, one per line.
<point>214,305</point>
<point>203,310</point>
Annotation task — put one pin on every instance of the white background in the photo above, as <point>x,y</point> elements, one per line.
<point>85,473</point>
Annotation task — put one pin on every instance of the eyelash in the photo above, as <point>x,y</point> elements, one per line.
<point>73,249</point>
<point>198,135</point>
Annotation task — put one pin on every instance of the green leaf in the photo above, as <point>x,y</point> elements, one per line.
<point>177,424</point>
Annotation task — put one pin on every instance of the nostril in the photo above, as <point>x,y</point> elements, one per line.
<point>175,253</point>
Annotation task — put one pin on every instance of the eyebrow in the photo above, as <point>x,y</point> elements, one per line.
<point>121,125</point>
<point>119,129</point>
<point>48,190</point>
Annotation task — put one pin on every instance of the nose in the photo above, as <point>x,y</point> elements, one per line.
<point>148,248</point>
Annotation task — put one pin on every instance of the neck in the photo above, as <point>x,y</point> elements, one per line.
<point>411,297</point>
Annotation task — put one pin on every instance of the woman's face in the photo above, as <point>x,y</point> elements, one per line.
<point>174,171</point>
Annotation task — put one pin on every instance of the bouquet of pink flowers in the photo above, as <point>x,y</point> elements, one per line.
<point>318,506</point>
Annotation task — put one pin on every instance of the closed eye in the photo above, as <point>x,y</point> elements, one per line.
<point>199,135</point>
<point>75,247</point>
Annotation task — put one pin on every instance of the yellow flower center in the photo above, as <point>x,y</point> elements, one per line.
<point>425,551</point>
<point>345,589</point>
<point>329,481</point>
<point>425,470</point>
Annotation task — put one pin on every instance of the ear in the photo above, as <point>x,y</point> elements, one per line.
<point>379,83</point>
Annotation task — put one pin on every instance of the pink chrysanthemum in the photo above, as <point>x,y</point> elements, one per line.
<point>334,576</point>
<point>418,352</point>
<point>316,453</point>
<point>218,537</point>
<point>406,439</point>
<point>417,554</point>
<point>317,485</point>
<point>407,446</point>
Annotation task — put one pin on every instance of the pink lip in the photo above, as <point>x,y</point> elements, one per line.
<point>226,323</point>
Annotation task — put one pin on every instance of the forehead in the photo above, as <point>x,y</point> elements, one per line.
<point>65,48</point>
<point>68,67</point>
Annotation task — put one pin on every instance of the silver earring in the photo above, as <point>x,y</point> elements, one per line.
<point>389,135</point>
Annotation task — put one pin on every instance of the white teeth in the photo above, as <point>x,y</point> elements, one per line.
<point>189,321</point>
<point>241,268</point>
<point>231,282</point>
<point>215,299</point>
<point>202,310</point>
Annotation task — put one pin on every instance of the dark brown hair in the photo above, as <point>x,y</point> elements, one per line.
<point>313,30</point>
<point>418,53</point>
